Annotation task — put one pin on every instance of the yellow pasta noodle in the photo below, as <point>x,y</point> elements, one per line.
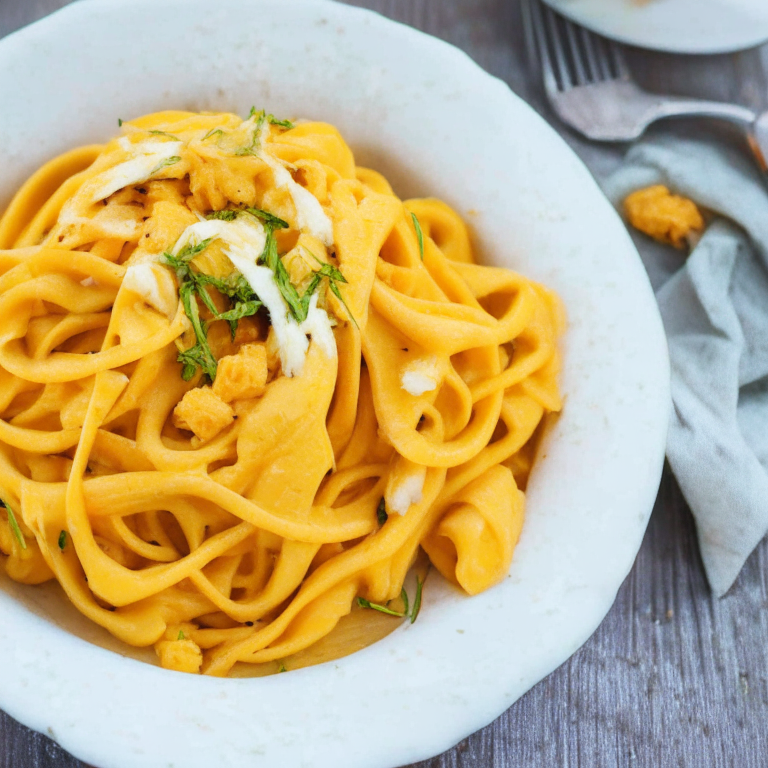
<point>243,386</point>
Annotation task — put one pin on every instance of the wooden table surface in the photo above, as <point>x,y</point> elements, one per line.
<point>673,676</point>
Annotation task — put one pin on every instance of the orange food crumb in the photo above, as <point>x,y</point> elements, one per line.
<point>663,216</point>
<point>242,376</point>
<point>180,655</point>
<point>203,412</point>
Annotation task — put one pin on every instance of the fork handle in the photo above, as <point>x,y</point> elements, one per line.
<point>756,125</point>
<point>758,140</point>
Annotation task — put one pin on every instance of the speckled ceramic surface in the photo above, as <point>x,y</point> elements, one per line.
<point>424,114</point>
<point>679,26</point>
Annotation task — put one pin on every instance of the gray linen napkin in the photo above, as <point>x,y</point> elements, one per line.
<point>715,311</point>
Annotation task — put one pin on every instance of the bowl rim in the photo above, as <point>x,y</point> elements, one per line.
<point>58,683</point>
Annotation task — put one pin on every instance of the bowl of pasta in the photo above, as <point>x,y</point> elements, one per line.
<point>334,394</point>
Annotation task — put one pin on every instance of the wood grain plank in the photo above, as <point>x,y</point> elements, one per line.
<point>672,677</point>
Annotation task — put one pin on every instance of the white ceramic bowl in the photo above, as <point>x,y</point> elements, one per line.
<point>425,115</point>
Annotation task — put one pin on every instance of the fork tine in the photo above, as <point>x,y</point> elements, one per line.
<point>582,77</point>
<point>561,62</point>
<point>595,57</point>
<point>568,54</point>
<point>603,60</point>
<point>536,37</point>
<point>529,33</point>
<point>616,54</point>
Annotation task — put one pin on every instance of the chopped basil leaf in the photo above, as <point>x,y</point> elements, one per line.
<point>62,540</point>
<point>181,635</point>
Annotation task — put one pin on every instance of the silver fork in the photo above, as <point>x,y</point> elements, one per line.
<point>588,84</point>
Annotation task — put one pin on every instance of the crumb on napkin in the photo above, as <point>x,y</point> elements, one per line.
<point>663,216</point>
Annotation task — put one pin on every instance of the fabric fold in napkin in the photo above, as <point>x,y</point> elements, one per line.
<point>714,305</point>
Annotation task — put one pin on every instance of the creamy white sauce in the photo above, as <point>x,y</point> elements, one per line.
<point>318,325</point>
<point>142,279</point>
<point>291,339</point>
<point>419,377</point>
<point>122,228</point>
<point>147,155</point>
<point>409,491</point>
<point>245,239</point>
<point>310,216</point>
<point>244,236</point>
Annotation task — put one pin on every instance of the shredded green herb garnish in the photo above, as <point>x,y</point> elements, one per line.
<point>238,312</point>
<point>163,133</point>
<point>298,305</point>
<point>200,355</point>
<point>193,285</point>
<point>268,218</point>
<point>404,598</point>
<point>271,118</point>
<point>407,612</point>
<point>254,146</point>
<point>225,215</point>
<point>417,599</point>
<point>282,668</point>
<point>381,512</point>
<point>14,524</point>
<point>287,124</point>
<point>62,540</point>
<point>119,123</point>
<point>181,636</point>
<point>213,132</point>
<point>230,214</point>
<point>419,235</point>
<point>334,278</point>
<point>261,117</point>
<point>363,603</point>
<point>164,164</point>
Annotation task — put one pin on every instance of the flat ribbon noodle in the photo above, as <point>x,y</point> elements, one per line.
<point>236,517</point>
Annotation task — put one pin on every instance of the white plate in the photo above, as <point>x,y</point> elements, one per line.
<point>678,26</point>
<point>423,113</point>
